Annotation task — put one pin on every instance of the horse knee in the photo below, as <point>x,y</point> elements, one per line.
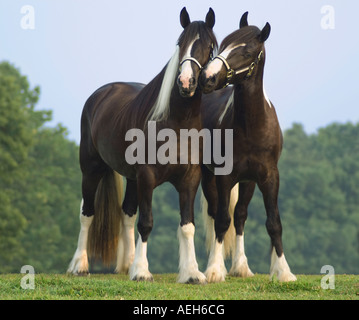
<point>222,223</point>
<point>274,227</point>
<point>240,217</point>
<point>144,228</point>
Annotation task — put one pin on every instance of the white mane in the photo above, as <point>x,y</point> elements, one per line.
<point>160,109</point>
<point>228,105</point>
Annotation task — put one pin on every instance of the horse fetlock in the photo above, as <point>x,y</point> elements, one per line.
<point>79,264</point>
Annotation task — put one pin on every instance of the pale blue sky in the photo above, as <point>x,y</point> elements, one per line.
<point>311,74</point>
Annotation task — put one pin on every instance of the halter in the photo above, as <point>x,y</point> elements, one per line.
<point>193,60</point>
<point>231,72</point>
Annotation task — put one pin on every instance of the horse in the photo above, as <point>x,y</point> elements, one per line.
<point>110,152</point>
<point>244,108</point>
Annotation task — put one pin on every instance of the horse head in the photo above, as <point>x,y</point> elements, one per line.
<point>239,55</point>
<point>196,45</point>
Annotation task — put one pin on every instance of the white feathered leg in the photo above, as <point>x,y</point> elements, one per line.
<point>240,266</point>
<point>280,268</point>
<point>79,264</point>
<point>126,244</point>
<point>216,270</point>
<point>139,268</point>
<point>188,266</point>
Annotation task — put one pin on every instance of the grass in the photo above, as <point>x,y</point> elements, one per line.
<point>164,287</point>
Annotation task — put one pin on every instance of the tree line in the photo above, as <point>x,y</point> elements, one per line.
<point>40,194</point>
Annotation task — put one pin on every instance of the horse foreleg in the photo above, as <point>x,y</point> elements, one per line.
<point>188,266</point>
<point>240,266</point>
<point>216,270</point>
<point>279,265</point>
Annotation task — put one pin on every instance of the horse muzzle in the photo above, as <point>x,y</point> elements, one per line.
<point>187,87</point>
<point>208,84</point>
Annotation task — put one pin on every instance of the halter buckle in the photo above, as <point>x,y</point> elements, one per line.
<point>230,74</point>
<point>250,70</point>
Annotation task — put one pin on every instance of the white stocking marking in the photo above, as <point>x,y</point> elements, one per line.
<point>188,267</point>
<point>240,266</point>
<point>280,268</point>
<point>79,263</point>
<point>139,268</point>
<point>216,270</point>
<point>126,244</point>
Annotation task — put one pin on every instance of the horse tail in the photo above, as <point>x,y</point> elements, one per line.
<point>230,237</point>
<point>107,223</point>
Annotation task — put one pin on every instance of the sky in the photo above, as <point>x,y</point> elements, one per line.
<point>71,47</point>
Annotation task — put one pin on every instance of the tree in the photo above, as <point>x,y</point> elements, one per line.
<point>17,113</point>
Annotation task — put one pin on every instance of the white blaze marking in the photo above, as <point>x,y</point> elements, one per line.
<point>186,71</point>
<point>215,66</point>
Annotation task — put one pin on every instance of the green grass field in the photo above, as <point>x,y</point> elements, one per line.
<point>164,287</point>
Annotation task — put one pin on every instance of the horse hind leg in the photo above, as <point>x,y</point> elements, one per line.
<point>145,184</point>
<point>245,192</point>
<point>79,264</point>
<point>126,244</point>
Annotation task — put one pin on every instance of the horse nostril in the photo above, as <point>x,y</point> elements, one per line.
<point>212,79</point>
<point>192,81</point>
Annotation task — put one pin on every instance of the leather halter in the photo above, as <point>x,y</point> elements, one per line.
<point>193,60</point>
<point>231,72</point>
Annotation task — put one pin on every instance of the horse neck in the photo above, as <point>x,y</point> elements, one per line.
<point>249,102</point>
<point>185,111</point>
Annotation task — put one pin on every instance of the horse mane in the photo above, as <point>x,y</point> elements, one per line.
<point>153,101</point>
<point>160,109</point>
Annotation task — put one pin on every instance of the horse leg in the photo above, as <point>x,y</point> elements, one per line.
<point>239,263</point>
<point>188,266</point>
<point>90,180</point>
<point>216,270</point>
<point>126,243</point>
<point>269,188</point>
<point>145,185</point>
<point>209,204</point>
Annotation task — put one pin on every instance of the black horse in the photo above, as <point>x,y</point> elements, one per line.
<point>110,120</point>
<point>244,108</point>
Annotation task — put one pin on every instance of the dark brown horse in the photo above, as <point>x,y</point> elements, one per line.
<point>244,108</point>
<point>115,118</point>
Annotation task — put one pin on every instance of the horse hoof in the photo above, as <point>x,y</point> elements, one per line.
<point>196,281</point>
<point>147,278</point>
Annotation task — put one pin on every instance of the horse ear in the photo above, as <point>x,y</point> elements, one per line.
<point>210,19</point>
<point>265,32</point>
<point>244,20</point>
<point>184,18</point>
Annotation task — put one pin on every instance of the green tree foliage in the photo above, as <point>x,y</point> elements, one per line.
<point>39,181</point>
<point>40,196</point>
